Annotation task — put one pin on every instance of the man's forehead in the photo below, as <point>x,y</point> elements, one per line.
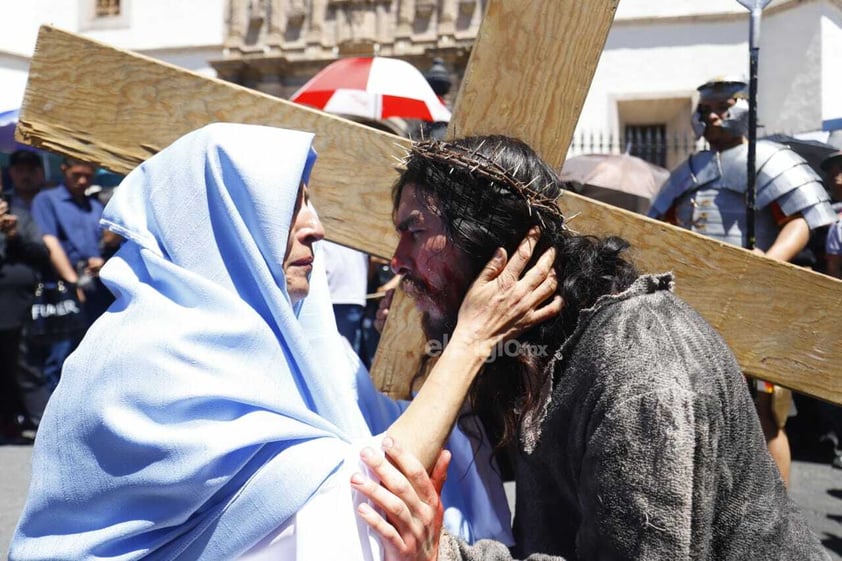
<point>25,166</point>
<point>412,208</point>
<point>409,212</point>
<point>80,168</point>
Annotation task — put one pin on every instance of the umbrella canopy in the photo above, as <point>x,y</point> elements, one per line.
<point>375,88</point>
<point>619,179</point>
<point>811,150</point>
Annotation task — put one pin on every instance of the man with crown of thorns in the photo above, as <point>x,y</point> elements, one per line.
<point>633,436</point>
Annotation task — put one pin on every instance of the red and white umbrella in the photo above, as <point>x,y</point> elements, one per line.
<point>373,87</point>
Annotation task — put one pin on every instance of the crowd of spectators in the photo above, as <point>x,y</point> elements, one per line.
<point>48,234</point>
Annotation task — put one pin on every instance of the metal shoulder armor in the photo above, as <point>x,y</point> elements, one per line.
<point>698,169</point>
<point>786,178</point>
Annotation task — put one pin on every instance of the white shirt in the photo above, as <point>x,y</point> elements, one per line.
<point>327,526</point>
<point>347,273</point>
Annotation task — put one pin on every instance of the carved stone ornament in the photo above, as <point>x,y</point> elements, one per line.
<point>467,7</point>
<point>424,8</point>
<point>258,10</point>
<point>296,15</point>
<point>356,3</point>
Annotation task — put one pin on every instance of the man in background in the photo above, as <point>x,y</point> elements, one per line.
<point>26,171</point>
<point>347,279</point>
<point>707,194</point>
<point>832,166</point>
<point>831,415</point>
<point>23,258</point>
<point>68,218</point>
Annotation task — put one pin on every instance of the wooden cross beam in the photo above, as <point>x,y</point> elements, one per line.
<point>528,77</point>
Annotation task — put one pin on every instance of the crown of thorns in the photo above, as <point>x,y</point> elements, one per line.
<point>476,164</point>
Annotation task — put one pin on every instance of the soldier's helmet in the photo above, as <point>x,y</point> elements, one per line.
<point>722,88</point>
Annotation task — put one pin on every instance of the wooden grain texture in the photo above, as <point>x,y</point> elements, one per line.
<point>396,364</point>
<point>529,73</point>
<point>117,108</point>
<point>778,318</point>
<point>530,70</point>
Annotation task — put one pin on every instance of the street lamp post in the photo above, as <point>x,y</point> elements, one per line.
<point>755,8</point>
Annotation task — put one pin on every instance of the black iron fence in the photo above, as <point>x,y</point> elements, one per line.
<point>668,149</point>
<point>651,143</point>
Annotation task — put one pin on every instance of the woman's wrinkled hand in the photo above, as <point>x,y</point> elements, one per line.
<point>504,301</point>
<point>410,499</point>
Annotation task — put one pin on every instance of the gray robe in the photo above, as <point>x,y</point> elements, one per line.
<point>648,447</point>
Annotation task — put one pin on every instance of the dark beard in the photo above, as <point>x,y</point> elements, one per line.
<point>435,328</point>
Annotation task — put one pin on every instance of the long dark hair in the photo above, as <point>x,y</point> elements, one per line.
<point>489,191</point>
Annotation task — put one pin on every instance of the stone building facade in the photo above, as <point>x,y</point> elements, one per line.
<point>640,98</point>
<point>275,46</point>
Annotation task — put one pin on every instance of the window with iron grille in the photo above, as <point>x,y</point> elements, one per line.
<point>104,14</point>
<point>107,8</point>
<point>647,142</point>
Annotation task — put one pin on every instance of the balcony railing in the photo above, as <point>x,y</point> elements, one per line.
<point>652,144</point>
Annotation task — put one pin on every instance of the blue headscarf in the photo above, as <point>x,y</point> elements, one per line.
<point>194,416</point>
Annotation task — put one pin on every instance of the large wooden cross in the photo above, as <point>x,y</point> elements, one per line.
<point>529,72</point>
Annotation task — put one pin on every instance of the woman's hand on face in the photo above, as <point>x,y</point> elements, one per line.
<point>503,301</point>
<point>409,497</point>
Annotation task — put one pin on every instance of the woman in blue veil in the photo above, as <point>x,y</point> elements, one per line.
<point>214,412</point>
